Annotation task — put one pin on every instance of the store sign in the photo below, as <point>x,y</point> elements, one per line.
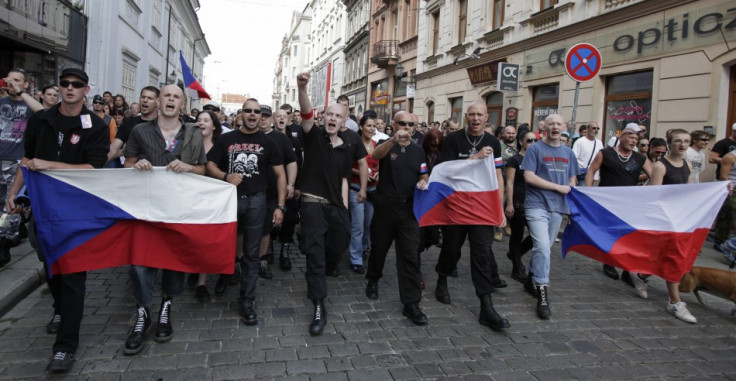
<point>509,77</point>
<point>380,97</point>
<point>483,73</point>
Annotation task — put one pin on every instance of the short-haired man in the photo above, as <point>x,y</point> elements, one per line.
<point>476,144</point>
<point>149,111</point>
<point>402,167</point>
<point>586,148</point>
<point>349,123</point>
<point>98,107</point>
<point>162,142</point>
<point>717,154</point>
<point>67,136</point>
<point>695,155</point>
<point>452,126</point>
<point>550,169</point>
<point>325,220</point>
<point>15,110</point>
<point>243,158</point>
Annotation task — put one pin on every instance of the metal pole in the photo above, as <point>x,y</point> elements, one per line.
<point>168,41</point>
<point>574,109</point>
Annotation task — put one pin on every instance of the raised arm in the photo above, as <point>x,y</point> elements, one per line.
<point>302,80</point>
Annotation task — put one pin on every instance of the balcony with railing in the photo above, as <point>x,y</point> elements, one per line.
<point>385,53</point>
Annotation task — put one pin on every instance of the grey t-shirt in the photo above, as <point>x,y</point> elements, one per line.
<point>13,119</point>
<point>555,164</point>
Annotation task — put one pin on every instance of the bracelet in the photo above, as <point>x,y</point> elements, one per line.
<point>225,177</point>
<point>307,116</point>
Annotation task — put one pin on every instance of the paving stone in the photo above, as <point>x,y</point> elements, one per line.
<point>305,367</point>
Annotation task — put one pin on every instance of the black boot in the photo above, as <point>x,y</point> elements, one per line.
<point>488,315</point>
<point>319,319</point>
<point>221,285</point>
<point>235,278</point>
<point>164,330</point>
<point>284,259</point>
<point>415,314</point>
<point>543,310</point>
<point>371,289</point>
<point>441,292</point>
<point>518,271</point>
<point>626,277</point>
<point>4,251</point>
<point>610,272</point>
<point>134,343</point>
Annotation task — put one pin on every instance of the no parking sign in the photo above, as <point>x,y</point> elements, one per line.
<point>583,62</point>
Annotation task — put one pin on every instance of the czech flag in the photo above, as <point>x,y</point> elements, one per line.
<point>460,192</point>
<point>655,230</point>
<point>189,81</point>
<point>101,218</point>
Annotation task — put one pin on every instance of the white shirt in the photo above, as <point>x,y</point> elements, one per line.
<point>378,136</point>
<point>585,151</point>
<point>351,125</point>
<point>697,160</point>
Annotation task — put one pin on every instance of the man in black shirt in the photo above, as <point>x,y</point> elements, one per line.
<point>416,135</point>
<point>149,111</point>
<point>402,167</point>
<point>291,217</point>
<point>243,158</point>
<point>66,136</point>
<point>473,143</point>
<point>324,186</point>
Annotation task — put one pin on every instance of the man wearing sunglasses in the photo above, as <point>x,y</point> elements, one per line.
<point>585,150</point>
<point>476,144</point>
<point>67,136</point>
<point>98,107</point>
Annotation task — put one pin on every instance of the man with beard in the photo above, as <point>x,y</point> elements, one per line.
<point>550,169</point>
<point>324,186</point>
<point>475,144</point>
<point>243,158</point>
<point>162,142</point>
<point>149,111</point>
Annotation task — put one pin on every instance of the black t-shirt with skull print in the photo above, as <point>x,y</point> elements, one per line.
<point>248,154</point>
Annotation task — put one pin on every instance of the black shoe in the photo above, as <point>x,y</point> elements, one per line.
<point>543,310</point>
<point>192,279</point>
<point>441,292</point>
<point>371,289</point>
<point>626,277</point>
<point>52,327</point>
<point>529,286</point>
<point>610,272</point>
<point>500,283</point>
<point>454,273</point>
<point>415,314</point>
<point>61,362</point>
<point>319,319</point>
<point>488,315</point>
<point>518,275</point>
<point>235,278</point>
<point>248,313</point>
<point>164,330</point>
<point>221,285</point>
<point>265,271</point>
<point>134,343</point>
<point>4,252</point>
<point>203,296</point>
<point>358,269</point>
<point>285,263</point>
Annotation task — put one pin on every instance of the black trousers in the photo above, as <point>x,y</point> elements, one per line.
<point>483,267</point>
<point>325,237</point>
<point>394,220</point>
<point>517,242</point>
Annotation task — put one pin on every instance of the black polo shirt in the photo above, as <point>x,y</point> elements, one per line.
<point>125,129</point>
<point>457,145</point>
<point>417,137</point>
<point>52,136</point>
<point>325,166</point>
<point>286,152</point>
<point>400,170</point>
<point>147,142</point>
<point>357,149</point>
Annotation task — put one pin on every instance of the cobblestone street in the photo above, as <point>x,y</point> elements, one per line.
<point>599,330</point>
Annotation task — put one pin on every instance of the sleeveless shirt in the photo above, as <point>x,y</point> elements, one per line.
<point>616,172</point>
<point>675,175</point>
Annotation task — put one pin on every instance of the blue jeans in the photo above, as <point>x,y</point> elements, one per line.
<point>143,277</point>
<point>543,227</point>
<point>360,222</point>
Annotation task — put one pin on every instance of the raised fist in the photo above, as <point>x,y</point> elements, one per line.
<point>302,79</point>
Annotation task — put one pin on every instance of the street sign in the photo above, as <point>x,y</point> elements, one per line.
<point>583,62</point>
<point>508,77</point>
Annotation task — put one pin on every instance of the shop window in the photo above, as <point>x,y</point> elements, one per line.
<point>494,103</point>
<point>430,112</point>
<point>628,100</point>
<point>456,110</point>
<point>462,21</point>
<point>498,8</point>
<point>544,102</point>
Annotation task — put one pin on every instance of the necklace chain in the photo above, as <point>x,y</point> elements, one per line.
<point>477,141</point>
<point>624,159</point>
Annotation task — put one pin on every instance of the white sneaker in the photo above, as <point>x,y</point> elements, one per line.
<point>640,285</point>
<point>680,311</point>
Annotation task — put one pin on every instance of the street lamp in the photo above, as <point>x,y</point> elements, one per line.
<point>171,78</point>
<point>399,70</point>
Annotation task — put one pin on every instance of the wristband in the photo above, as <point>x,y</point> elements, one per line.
<point>225,178</point>
<point>307,116</point>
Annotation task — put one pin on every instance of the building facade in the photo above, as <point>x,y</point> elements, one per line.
<point>665,63</point>
<point>292,59</point>
<point>136,43</point>
<point>393,56</point>
<point>357,45</point>
<point>41,37</point>
<point>325,56</point>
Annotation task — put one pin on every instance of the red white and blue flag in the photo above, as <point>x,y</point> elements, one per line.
<point>102,218</point>
<point>655,230</point>
<point>189,81</point>
<point>460,192</point>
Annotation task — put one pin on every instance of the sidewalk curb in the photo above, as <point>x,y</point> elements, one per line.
<point>20,277</point>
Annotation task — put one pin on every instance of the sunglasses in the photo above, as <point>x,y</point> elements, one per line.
<point>531,140</point>
<point>705,140</point>
<point>644,145</point>
<point>75,84</point>
<point>402,123</point>
<point>251,110</point>
<point>594,128</point>
<point>99,103</point>
<point>660,152</point>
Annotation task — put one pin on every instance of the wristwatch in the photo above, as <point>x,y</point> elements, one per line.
<point>19,93</point>
<point>281,208</point>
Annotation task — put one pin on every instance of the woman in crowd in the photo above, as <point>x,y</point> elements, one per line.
<point>50,96</point>
<point>389,130</point>
<point>515,195</point>
<point>361,214</point>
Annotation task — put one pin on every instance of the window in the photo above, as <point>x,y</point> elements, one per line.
<point>494,104</point>
<point>156,14</point>
<point>462,21</point>
<point>457,110</point>
<point>628,99</point>
<point>128,81</point>
<point>430,112</point>
<point>544,102</point>
<point>395,23</point>
<point>498,7</point>
<point>435,32</point>
<point>544,4</point>
<point>153,79</point>
<point>295,49</point>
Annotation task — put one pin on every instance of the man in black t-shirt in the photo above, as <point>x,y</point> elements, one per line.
<point>243,158</point>
<point>324,185</point>
<point>149,111</point>
<point>402,167</point>
<point>473,143</point>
